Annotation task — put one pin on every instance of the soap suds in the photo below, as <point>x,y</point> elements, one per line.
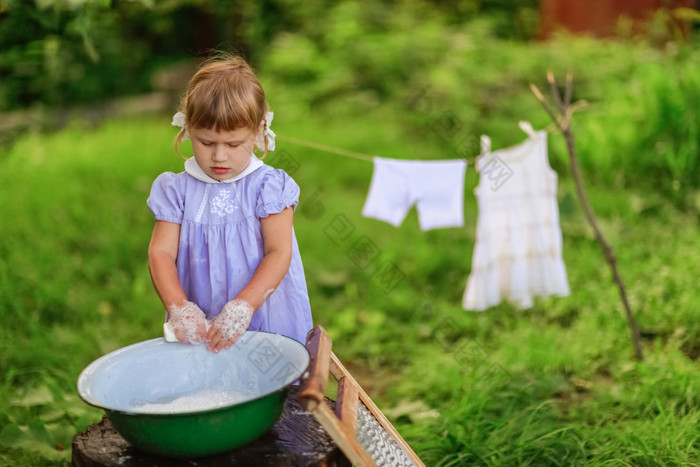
<point>205,399</point>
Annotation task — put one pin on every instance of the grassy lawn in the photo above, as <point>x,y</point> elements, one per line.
<point>555,384</point>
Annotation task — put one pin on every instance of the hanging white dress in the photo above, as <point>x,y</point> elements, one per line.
<point>517,255</point>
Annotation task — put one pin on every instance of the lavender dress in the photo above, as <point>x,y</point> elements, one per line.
<point>221,242</point>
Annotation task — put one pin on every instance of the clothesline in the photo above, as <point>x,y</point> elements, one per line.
<point>551,128</point>
<point>352,154</point>
<point>343,152</point>
<point>326,148</point>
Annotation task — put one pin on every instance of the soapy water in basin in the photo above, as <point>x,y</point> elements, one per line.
<point>158,377</point>
<point>205,399</point>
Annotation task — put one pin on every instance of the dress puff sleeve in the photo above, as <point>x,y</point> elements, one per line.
<point>166,201</point>
<point>278,191</point>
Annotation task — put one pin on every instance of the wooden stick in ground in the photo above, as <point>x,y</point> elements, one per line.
<point>564,123</point>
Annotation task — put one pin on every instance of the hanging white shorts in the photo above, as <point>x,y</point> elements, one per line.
<point>435,187</point>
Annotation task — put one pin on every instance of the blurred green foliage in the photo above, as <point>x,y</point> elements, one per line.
<point>450,83</point>
<point>423,64</point>
<point>60,52</point>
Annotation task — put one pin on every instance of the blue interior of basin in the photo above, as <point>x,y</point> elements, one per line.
<point>156,371</point>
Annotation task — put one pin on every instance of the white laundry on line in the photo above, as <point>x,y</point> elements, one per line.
<point>518,250</point>
<point>435,187</point>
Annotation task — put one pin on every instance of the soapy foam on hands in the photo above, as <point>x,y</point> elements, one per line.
<point>234,319</point>
<point>187,320</point>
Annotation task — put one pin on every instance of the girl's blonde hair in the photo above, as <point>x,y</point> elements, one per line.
<point>224,95</point>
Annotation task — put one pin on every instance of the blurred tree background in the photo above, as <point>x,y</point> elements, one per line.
<point>349,58</point>
<point>60,52</point>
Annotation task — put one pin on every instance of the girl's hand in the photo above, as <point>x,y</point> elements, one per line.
<point>189,323</point>
<point>229,325</point>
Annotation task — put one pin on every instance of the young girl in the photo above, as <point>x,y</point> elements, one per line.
<point>223,256</point>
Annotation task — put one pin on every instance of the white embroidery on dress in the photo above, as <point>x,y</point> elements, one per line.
<point>200,211</point>
<point>222,204</point>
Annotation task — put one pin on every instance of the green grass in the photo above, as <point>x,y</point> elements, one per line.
<point>556,384</point>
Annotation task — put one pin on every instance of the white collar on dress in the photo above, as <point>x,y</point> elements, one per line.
<point>192,168</point>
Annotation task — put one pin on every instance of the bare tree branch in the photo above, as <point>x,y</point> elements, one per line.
<point>563,122</point>
<point>569,88</point>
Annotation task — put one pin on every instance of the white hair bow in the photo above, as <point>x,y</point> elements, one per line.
<point>179,120</point>
<point>260,141</point>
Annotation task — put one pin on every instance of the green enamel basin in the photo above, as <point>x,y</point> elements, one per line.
<point>179,400</point>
